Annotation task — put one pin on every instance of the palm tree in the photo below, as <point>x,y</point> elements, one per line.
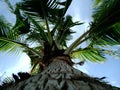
<point>45,23</point>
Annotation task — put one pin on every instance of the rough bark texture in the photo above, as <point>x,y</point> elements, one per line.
<point>61,76</point>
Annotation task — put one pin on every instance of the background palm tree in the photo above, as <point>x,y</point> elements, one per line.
<point>45,23</point>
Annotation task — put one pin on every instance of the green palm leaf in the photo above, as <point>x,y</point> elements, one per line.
<point>64,30</point>
<point>45,23</point>
<point>91,54</point>
<point>102,28</point>
<point>49,8</point>
<point>97,2</point>
<point>5,35</point>
<point>106,17</point>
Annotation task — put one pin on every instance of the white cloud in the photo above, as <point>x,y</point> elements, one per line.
<point>22,65</point>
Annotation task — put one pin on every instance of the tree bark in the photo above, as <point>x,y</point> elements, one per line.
<point>59,75</point>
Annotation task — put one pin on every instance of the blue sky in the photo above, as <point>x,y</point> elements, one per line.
<point>81,11</point>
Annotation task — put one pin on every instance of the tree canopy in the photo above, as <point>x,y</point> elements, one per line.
<point>45,23</point>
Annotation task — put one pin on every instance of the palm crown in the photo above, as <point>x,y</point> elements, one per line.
<point>45,23</point>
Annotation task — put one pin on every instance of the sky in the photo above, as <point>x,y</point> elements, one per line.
<point>81,10</point>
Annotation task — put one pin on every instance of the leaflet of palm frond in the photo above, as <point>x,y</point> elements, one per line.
<point>68,22</point>
<point>91,54</point>
<point>22,25</point>
<point>52,8</point>
<point>97,2</point>
<point>60,12</point>
<point>4,27</point>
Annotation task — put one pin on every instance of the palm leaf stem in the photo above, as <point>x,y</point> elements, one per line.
<point>21,44</point>
<point>34,51</point>
<point>11,41</point>
<point>58,24</point>
<point>66,6</point>
<point>77,42</point>
<point>60,40</point>
<point>57,37</point>
<point>50,39</point>
<point>49,33</point>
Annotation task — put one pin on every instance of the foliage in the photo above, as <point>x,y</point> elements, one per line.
<point>106,20</point>
<point>45,24</point>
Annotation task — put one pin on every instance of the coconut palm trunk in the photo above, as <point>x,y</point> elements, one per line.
<point>60,75</point>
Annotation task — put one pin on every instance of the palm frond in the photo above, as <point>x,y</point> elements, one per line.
<point>51,8</point>
<point>101,31</point>
<point>22,25</point>
<point>15,46</point>
<point>111,37</point>
<point>64,30</point>
<point>48,11</point>
<point>107,13</point>
<point>91,54</point>
<point>4,26</point>
<point>5,33</point>
<point>106,16</point>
